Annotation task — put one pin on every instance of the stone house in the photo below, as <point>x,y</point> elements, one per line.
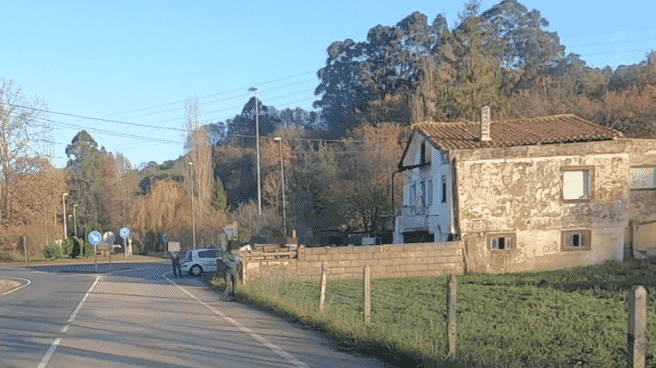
<point>528,194</point>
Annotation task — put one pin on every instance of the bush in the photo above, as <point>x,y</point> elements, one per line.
<point>136,247</point>
<point>52,251</point>
<point>67,247</point>
<point>89,249</point>
<point>78,247</point>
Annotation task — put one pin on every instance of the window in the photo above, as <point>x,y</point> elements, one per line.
<point>423,194</point>
<point>207,254</point>
<point>502,241</point>
<point>578,183</point>
<point>643,178</point>
<point>575,240</point>
<point>443,188</point>
<point>430,192</point>
<point>413,194</point>
<point>422,154</point>
<point>445,157</point>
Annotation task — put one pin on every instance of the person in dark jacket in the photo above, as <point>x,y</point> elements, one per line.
<point>228,267</point>
<point>175,262</point>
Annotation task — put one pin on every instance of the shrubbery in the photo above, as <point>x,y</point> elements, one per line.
<point>136,247</point>
<point>67,247</point>
<point>52,251</point>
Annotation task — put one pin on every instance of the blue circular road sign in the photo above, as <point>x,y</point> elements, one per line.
<point>94,238</point>
<point>124,232</point>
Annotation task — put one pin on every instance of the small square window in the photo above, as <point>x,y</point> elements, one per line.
<point>501,241</point>
<point>575,240</point>
<point>577,184</point>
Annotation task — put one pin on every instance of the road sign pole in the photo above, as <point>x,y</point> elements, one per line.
<point>95,257</point>
<point>125,249</point>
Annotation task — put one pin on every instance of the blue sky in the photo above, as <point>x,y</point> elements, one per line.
<point>108,59</point>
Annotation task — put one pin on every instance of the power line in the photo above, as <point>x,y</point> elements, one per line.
<point>215,94</point>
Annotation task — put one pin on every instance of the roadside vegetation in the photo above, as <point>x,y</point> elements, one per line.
<point>574,317</point>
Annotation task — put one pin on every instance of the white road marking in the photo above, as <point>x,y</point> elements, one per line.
<point>48,355</point>
<point>53,347</point>
<point>241,327</point>
<point>27,282</point>
<point>131,269</point>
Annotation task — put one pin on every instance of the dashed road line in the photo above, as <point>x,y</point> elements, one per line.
<point>53,347</point>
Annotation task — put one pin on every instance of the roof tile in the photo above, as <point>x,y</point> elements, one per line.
<point>515,132</point>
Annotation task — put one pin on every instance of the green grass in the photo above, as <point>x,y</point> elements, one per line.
<point>575,317</point>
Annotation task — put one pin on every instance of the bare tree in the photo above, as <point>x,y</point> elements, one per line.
<point>22,136</point>
<point>199,153</point>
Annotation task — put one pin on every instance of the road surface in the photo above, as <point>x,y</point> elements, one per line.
<point>138,315</point>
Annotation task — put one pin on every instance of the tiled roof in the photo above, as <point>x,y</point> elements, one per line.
<point>515,132</point>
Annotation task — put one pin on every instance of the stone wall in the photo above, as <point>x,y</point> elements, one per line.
<point>394,260</point>
<point>519,190</point>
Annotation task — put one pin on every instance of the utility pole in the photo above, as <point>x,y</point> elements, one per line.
<point>75,219</point>
<point>257,152</point>
<point>64,205</point>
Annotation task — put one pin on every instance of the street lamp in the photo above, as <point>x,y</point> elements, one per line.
<point>64,205</point>
<point>282,175</point>
<point>257,152</point>
<point>75,219</point>
<point>193,211</point>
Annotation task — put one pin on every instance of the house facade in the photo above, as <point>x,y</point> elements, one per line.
<point>528,194</point>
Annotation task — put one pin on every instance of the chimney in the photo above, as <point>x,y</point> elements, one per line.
<point>485,124</point>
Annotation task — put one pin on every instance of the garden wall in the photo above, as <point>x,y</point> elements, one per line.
<point>393,260</point>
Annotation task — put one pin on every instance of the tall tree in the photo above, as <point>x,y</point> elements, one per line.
<point>85,166</point>
<point>365,174</point>
<point>22,131</point>
<point>199,154</point>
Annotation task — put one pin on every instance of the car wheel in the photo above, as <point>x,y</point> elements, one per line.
<point>195,271</point>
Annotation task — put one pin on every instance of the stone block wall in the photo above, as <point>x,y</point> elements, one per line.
<point>393,260</point>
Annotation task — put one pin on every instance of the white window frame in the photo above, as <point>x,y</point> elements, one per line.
<point>412,194</point>
<point>577,184</point>
<point>643,178</point>
<point>429,189</point>
<point>507,241</point>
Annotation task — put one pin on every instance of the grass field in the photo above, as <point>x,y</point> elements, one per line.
<point>574,317</point>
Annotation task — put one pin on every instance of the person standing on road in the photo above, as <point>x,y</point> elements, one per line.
<point>175,262</point>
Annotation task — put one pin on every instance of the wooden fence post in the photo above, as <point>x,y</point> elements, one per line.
<point>324,276</point>
<point>367,293</point>
<point>451,316</point>
<point>637,336</point>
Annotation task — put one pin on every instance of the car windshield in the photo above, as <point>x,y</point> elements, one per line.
<point>188,257</point>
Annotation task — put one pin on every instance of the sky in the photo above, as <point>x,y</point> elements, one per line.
<point>138,61</point>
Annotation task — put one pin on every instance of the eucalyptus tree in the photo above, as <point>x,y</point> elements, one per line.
<point>85,166</point>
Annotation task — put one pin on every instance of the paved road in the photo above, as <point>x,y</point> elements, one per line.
<point>139,316</point>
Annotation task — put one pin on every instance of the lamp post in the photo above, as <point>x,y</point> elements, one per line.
<point>64,205</point>
<point>193,211</point>
<point>75,219</point>
<point>282,176</point>
<point>257,152</point>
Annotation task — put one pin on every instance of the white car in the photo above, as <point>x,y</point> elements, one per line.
<point>200,260</point>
